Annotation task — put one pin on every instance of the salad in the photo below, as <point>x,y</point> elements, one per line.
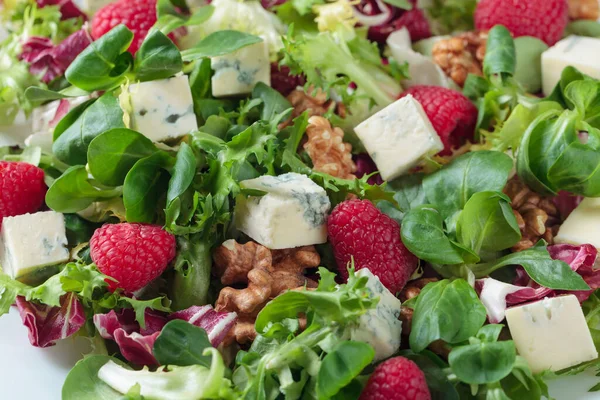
<point>304,199</point>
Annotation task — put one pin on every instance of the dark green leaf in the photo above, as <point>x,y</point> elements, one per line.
<point>432,366</point>
<point>73,192</point>
<point>40,95</point>
<point>483,362</point>
<point>273,102</point>
<point>183,172</point>
<point>220,43</point>
<point>70,118</point>
<point>488,223</point>
<point>450,188</point>
<point>104,114</point>
<point>181,343</point>
<point>500,55</point>
<point>157,58</point>
<point>192,266</point>
<point>446,310</point>
<point>103,64</point>
<point>78,229</point>
<point>577,170</point>
<point>341,366</point>
<point>112,154</point>
<point>408,191</point>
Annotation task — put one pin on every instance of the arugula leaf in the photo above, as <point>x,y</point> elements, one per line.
<point>488,223</point>
<point>183,344</point>
<point>451,187</point>
<point>104,63</point>
<point>157,58</point>
<point>220,43</point>
<point>341,366</point>
<point>447,310</point>
<point>112,154</point>
<point>500,55</point>
<point>102,115</point>
<point>73,191</point>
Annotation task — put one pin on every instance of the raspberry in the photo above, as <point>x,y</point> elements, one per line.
<point>22,189</point>
<point>133,254</point>
<point>137,15</point>
<point>543,19</point>
<point>283,81</point>
<point>357,229</point>
<point>396,379</point>
<point>452,115</point>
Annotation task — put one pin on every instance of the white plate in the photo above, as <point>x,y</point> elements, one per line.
<point>28,373</point>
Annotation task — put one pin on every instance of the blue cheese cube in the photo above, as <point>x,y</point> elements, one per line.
<point>237,73</point>
<point>292,213</point>
<point>380,327</point>
<point>399,137</point>
<point>551,333</point>
<point>162,110</point>
<point>582,226</point>
<point>32,242</point>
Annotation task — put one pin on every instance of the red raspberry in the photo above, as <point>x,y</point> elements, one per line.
<point>453,116</point>
<point>22,189</point>
<point>544,19</point>
<point>138,15</point>
<point>396,379</point>
<point>133,254</point>
<point>358,229</point>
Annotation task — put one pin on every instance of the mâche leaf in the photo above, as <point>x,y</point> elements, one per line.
<point>157,58</point>
<point>500,56</point>
<point>183,344</point>
<point>220,43</point>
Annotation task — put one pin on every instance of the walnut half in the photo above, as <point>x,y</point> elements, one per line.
<point>327,150</point>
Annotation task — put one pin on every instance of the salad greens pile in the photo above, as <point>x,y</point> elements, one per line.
<point>454,214</point>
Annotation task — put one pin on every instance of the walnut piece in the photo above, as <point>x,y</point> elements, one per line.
<point>537,216</point>
<point>327,150</point>
<point>315,102</point>
<point>265,273</point>
<point>584,9</point>
<point>461,55</point>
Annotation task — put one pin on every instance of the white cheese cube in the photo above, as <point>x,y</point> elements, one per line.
<point>32,242</point>
<point>551,333</point>
<point>422,69</point>
<point>237,73</point>
<point>164,109</point>
<point>580,52</point>
<point>398,137</point>
<point>380,327</point>
<point>582,226</point>
<point>293,213</point>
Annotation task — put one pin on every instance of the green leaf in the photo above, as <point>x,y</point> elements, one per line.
<point>144,184</point>
<point>83,383</point>
<point>112,154</point>
<point>583,27</point>
<point>450,188</point>
<point>423,234</point>
<point>341,366</point>
<point>40,95</point>
<point>483,362</point>
<point>140,307</point>
<point>553,274</point>
<point>577,170</point>
<point>192,266</point>
<point>70,118</point>
<point>403,4</point>
<point>104,114</point>
<point>157,58</point>
<point>220,43</point>
<point>183,172</point>
<point>73,191</point>
<point>500,55</point>
<point>446,310</point>
<point>273,102</point>
<point>181,343</point>
<point>488,223</point>
<point>104,63</point>
<point>528,71</point>
<point>437,380</point>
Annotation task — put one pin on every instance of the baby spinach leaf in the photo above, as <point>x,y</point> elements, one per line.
<point>103,64</point>
<point>183,344</point>
<point>500,55</point>
<point>553,274</point>
<point>423,234</point>
<point>73,192</point>
<point>144,184</point>
<point>447,310</point>
<point>483,362</point>
<point>157,58</point>
<point>112,154</point>
<point>104,114</point>
<point>488,223</point>
<point>450,188</point>
<point>341,366</point>
<point>273,102</point>
<point>83,383</point>
<point>220,43</point>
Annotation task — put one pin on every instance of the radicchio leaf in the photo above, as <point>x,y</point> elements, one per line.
<point>136,344</point>
<point>366,166</point>
<point>47,325</point>
<point>496,295</point>
<point>68,9</point>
